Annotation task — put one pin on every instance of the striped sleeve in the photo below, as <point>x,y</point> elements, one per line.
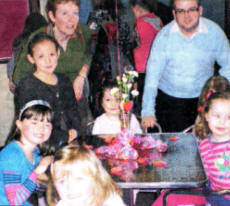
<point>16,191</point>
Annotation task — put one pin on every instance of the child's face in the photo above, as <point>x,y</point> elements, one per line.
<point>66,17</point>
<point>73,185</point>
<point>35,130</point>
<point>218,118</point>
<point>110,103</point>
<point>45,57</point>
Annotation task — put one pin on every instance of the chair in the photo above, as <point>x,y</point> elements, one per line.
<point>12,14</point>
<point>157,126</point>
<point>190,128</point>
<point>194,193</point>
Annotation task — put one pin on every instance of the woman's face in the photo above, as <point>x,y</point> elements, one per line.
<point>65,18</point>
<point>73,185</point>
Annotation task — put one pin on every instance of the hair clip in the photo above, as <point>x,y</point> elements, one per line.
<point>32,103</point>
<point>209,93</point>
<point>207,96</point>
<point>201,108</point>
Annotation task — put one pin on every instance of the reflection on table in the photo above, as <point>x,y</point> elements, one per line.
<point>180,166</point>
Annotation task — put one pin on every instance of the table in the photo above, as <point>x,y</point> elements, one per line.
<point>184,168</point>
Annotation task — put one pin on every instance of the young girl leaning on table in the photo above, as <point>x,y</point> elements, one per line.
<point>109,122</point>
<point>214,132</point>
<point>21,161</point>
<point>79,179</point>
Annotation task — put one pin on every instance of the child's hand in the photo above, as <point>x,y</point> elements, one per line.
<point>43,164</point>
<point>42,179</point>
<point>72,135</point>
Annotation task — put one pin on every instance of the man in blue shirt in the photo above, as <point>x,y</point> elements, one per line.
<point>181,59</point>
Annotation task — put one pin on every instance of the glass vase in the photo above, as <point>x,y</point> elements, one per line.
<point>125,120</point>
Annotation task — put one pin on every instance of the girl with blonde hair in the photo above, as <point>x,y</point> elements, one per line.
<point>78,178</point>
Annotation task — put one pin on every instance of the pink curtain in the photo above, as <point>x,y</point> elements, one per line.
<point>12,16</point>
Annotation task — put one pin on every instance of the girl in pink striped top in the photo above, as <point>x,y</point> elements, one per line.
<point>214,132</point>
<point>215,144</point>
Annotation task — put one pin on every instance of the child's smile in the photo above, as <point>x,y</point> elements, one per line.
<point>218,118</point>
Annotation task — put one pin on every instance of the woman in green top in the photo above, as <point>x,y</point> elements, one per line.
<point>75,57</point>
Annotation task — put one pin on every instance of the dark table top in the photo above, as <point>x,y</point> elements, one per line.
<point>183,166</point>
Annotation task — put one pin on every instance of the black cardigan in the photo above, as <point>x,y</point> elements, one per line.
<point>60,97</point>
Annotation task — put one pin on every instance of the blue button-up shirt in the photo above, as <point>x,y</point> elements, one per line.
<point>180,66</point>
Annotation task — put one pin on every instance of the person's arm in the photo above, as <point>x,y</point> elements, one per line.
<point>155,66</point>
<point>22,67</point>
<point>70,105</point>
<point>78,83</point>
<point>82,75</point>
<point>17,192</point>
<point>10,71</point>
<point>222,54</point>
<point>96,127</point>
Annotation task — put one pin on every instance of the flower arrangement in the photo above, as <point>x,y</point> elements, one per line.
<point>125,91</point>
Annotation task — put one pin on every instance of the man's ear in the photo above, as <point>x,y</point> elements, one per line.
<point>51,16</point>
<point>174,13</point>
<point>30,58</point>
<point>201,10</point>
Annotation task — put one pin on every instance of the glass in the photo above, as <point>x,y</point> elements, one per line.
<point>189,11</point>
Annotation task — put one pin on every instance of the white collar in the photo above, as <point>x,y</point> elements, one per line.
<point>202,28</point>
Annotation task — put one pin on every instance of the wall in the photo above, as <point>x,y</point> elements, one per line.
<point>6,105</point>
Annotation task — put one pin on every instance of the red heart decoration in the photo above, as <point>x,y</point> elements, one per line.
<point>128,106</point>
<point>159,163</point>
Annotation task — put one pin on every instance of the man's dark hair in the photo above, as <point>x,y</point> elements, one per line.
<point>173,1</point>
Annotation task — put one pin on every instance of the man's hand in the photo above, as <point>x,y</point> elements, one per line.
<point>148,121</point>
